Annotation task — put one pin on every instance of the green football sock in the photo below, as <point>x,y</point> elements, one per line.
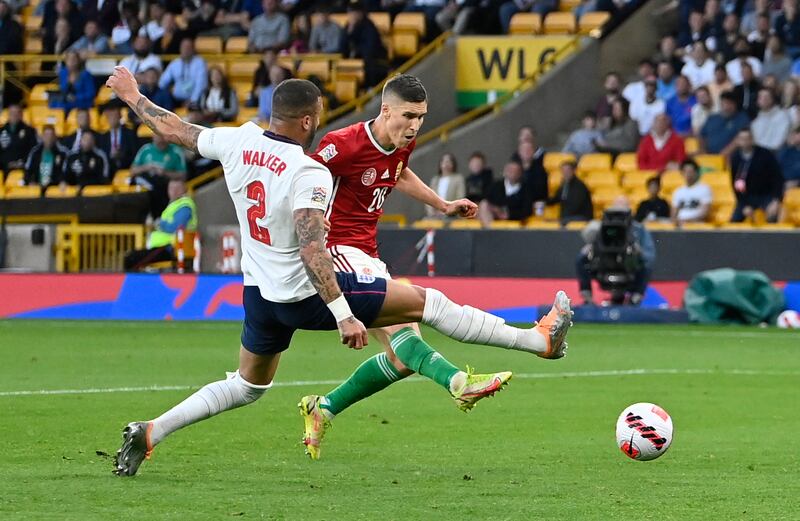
<point>372,376</point>
<point>422,358</point>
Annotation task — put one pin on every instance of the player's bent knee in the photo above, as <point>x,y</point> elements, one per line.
<point>250,392</point>
<point>401,368</point>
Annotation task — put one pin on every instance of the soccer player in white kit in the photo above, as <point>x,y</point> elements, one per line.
<point>280,197</point>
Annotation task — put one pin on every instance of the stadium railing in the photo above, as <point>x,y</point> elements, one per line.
<point>95,247</point>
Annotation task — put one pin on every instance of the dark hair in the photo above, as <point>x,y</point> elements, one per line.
<point>406,87</point>
<point>48,127</point>
<point>691,163</point>
<point>479,154</point>
<point>728,95</point>
<point>569,162</point>
<point>589,114</point>
<point>647,61</point>
<point>655,179</point>
<point>294,98</point>
<point>452,160</point>
<point>745,129</point>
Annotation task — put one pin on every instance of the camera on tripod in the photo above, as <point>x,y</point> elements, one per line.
<point>615,257</point>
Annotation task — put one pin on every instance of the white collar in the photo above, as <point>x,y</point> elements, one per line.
<point>374,141</point>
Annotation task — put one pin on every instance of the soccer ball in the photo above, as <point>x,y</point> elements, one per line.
<point>644,431</point>
<point>789,319</point>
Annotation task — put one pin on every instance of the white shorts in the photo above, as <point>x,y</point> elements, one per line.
<point>352,260</point>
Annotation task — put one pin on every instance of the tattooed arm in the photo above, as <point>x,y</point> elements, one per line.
<point>310,226</point>
<point>163,122</point>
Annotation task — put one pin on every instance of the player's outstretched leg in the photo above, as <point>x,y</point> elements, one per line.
<point>139,438</point>
<point>547,339</point>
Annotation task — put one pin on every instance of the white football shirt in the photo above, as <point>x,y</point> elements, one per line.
<point>689,201</point>
<point>269,177</point>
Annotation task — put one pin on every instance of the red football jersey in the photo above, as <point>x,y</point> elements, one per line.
<point>363,176</point>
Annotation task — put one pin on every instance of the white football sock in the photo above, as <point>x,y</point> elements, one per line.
<point>212,399</point>
<point>473,326</point>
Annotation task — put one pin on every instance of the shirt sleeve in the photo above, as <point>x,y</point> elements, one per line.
<point>331,154</point>
<point>312,187</point>
<point>213,143</point>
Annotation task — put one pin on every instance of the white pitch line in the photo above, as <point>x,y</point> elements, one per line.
<point>518,376</point>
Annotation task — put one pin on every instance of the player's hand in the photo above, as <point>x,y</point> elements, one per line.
<point>123,83</point>
<point>353,333</point>
<point>461,208</point>
<point>326,225</point>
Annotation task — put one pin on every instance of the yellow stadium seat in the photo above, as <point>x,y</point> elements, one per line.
<point>222,64</point>
<point>144,132</point>
<point>319,68</point>
<point>412,22</point>
<point>97,190</point>
<point>592,21</point>
<point>236,45</point>
<point>553,160</point>
<point>15,179</point>
<point>671,179</point>
<point>2,190</point>
<point>38,95</point>
<point>536,224</point>
<point>242,89</point>
<point>208,45</point>
<point>568,6</point>
<point>776,227</point>
<point>465,224</point>
<point>597,179</point>
<point>636,179</point>
<point>382,21</point>
<point>428,224</point>
<point>339,18</point>
<point>505,225</point>
<point>405,43</point>
<point>350,67</point>
<point>691,145</point>
<point>129,189</point>
<point>553,182</point>
<point>721,214</point>
<point>576,225</point>
<point>122,178</point>
<point>33,23</point>
<point>559,23</point>
<point>712,162</point>
<point>659,226</point>
<point>716,179</point>
<point>745,226</point>
<point>791,199</point>
<point>247,114</point>
<point>525,24</point>
<point>552,212</point>
<point>345,89</point>
<point>57,191</point>
<point>590,162</point>
<point>626,162</point>
<point>723,197</point>
<point>241,70</point>
<point>602,199</point>
<point>395,218</point>
<point>697,226</point>
<point>23,192</point>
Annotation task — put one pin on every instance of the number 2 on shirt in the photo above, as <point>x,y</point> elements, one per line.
<point>378,197</point>
<point>256,192</point>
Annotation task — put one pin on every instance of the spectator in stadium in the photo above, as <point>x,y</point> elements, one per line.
<point>45,163</point>
<point>747,92</point>
<point>750,18</point>
<point>719,132</point>
<point>699,68</point>
<point>186,75</point>
<point>125,31</point>
<point>181,212</point>
<point>509,198</point>
<point>72,142</point>
<point>232,19</point>
<point>668,52</point>
<point>724,45</point>
<point>76,85</point>
<point>363,41</point>
<point>695,31</point>
<point>757,179</point>
<point>261,75</point>
<point>701,110</point>
<point>666,81</point>
<point>679,107</point>
<point>105,13</point>
<point>661,148</point>
<point>448,183</point>
<point>203,19</point>
<point>634,91</point>
<point>758,39</point>
<point>276,75</point>
<point>720,84</point>
<point>775,60</point>
<point>612,87</point>
<point>171,37</point>
<point>219,101</point>
<point>572,195</point>
<point>653,208</point>
<point>734,67</point>
<point>479,179</point>
<point>582,141</point>
<point>142,59</point>
<point>789,160</point>
<point>510,8</point>
<point>62,40</point>
<point>17,139</point>
<point>149,87</point>
<point>11,32</point>
<point>326,35</point>
<point>772,125</point>
<point>787,27</point>
<point>713,17</point>
<point>152,23</point>
<point>691,202</point>
<point>645,111</point>
<point>430,8</point>
<point>54,11</point>
<point>119,143</point>
<point>644,246</point>
<point>623,134</point>
<point>531,158</point>
<point>154,166</point>
<point>88,165</point>
<point>459,16</point>
<point>270,30</point>
<point>92,43</point>
<point>301,34</point>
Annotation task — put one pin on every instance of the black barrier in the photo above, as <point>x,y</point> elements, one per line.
<point>112,209</point>
<point>552,253</point>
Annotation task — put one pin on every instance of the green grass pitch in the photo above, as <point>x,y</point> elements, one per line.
<point>542,449</point>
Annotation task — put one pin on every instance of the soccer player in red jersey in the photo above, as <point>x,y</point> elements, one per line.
<point>367,161</point>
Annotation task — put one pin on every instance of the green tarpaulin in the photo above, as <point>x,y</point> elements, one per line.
<point>730,296</point>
